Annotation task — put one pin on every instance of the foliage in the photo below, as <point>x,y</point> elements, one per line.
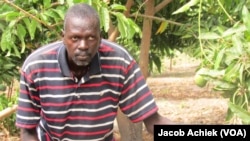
<point>171,33</point>
<point>224,39</point>
<point>5,102</point>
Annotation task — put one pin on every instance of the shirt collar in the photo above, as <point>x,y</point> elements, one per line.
<point>94,68</point>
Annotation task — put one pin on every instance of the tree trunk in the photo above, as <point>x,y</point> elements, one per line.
<point>128,130</point>
<point>146,37</point>
<point>7,112</point>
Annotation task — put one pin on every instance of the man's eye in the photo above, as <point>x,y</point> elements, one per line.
<point>91,38</point>
<point>74,38</point>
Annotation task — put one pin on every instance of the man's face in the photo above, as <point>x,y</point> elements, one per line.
<point>82,39</point>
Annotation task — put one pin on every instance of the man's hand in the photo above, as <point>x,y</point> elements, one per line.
<point>156,119</point>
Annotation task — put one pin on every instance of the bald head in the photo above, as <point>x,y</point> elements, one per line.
<point>82,11</point>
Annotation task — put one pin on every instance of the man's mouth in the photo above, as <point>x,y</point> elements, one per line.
<point>82,57</point>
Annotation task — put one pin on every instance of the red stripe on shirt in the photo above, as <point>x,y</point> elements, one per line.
<point>27,93</point>
<point>142,117</point>
<point>82,85</point>
<point>30,126</point>
<point>80,133</point>
<point>43,70</point>
<point>51,52</point>
<point>28,109</point>
<point>80,117</point>
<point>80,102</point>
<point>114,67</point>
<point>132,85</point>
<point>105,48</point>
<point>136,102</point>
<point>130,66</point>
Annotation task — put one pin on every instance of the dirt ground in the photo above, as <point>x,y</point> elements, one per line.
<point>184,102</point>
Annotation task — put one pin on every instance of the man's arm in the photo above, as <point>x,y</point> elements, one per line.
<point>28,135</point>
<point>156,118</point>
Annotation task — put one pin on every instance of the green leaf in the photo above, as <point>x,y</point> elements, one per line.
<point>31,26</point>
<point>21,33</point>
<point>232,72</point>
<point>211,73</point>
<point>219,58</point>
<point>117,7</point>
<point>246,17</point>
<point>8,66</point>
<point>233,30</point>
<point>186,6</point>
<point>135,28</point>
<point>157,62</point>
<point>6,40</point>
<point>52,14</point>
<point>238,46</point>
<point>121,24</point>
<point>162,27</point>
<point>224,86</point>
<point>2,87</point>
<point>229,115</point>
<point>60,13</point>
<point>61,1</point>
<point>32,29</point>
<point>71,2</point>
<point>240,112</point>
<point>12,23</point>
<point>3,15</point>
<point>44,17</point>
<point>209,35</point>
<point>46,3</point>
<point>130,32</point>
<point>12,16</point>
<point>105,18</point>
<point>124,26</point>
<point>232,54</point>
<point>241,73</point>
<point>16,51</point>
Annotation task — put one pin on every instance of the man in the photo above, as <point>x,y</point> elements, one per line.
<point>71,89</point>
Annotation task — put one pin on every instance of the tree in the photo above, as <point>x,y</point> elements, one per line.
<point>150,10</point>
<point>223,33</point>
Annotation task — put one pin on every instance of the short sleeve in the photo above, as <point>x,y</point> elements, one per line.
<point>28,111</point>
<point>136,99</point>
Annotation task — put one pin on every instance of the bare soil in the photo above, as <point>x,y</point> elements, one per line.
<point>181,100</point>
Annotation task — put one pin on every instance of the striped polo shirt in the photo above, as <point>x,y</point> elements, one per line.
<point>62,108</point>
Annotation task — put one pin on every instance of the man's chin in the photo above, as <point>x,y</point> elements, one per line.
<point>82,64</point>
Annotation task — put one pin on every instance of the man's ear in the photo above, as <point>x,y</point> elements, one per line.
<point>62,33</point>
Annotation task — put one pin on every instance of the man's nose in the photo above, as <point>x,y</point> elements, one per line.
<point>83,44</point>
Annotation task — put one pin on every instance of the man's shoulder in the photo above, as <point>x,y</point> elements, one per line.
<point>110,46</point>
<point>110,49</point>
<point>44,52</point>
<point>45,49</point>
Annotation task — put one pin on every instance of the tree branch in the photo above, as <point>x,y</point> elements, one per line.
<point>156,18</point>
<point>28,14</point>
<point>113,32</point>
<point>161,5</point>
